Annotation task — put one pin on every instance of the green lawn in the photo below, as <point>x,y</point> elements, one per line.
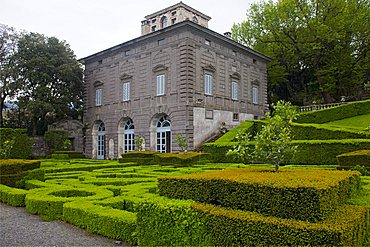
<point>357,122</point>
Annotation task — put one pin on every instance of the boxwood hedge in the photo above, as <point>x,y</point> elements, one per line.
<point>12,196</point>
<point>335,113</point>
<point>291,193</point>
<point>227,227</point>
<point>109,222</point>
<point>355,158</point>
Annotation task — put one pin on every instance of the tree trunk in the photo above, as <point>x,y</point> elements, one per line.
<point>276,167</point>
<point>1,112</point>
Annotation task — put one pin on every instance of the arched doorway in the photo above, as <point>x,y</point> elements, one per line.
<point>163,135</point>
<point>101,142</point>
<point>128,136</point>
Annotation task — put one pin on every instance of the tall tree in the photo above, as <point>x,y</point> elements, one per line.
<point>51,78</point>
<point>9,85</point>
<point>320,48</point>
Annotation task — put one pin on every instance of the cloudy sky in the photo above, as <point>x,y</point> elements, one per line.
<point>90,26</point>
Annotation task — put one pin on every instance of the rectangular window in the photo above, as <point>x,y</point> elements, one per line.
<point>98,97</point>
<point>208,84</point>
<point>234,90</point>
<point>235,116</point>
<point>126,91</point>
<point>160,85</point>
<point>207,42</point>
<point>255,94</point>
<point>153,28</point>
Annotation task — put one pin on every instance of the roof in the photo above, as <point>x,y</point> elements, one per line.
<point>179,25</point>
<point>180,4</point>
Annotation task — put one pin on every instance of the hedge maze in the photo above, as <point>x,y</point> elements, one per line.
<point>198,205</point>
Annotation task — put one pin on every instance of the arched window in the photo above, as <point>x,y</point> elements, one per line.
<point>101,142</point>
<point>163,135</point>
<point>128,135</point>
<point>164,22</point>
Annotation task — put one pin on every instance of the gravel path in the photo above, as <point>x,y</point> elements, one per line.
<point>20,228</point>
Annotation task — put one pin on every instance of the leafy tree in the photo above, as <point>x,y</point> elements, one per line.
<point>320,49</point>
<point>182,142</point>
<point>273,143</point>
<point>51,78</point>
<point>9,85</point>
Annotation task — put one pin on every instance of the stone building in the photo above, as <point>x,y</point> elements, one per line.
<point>178,77</point>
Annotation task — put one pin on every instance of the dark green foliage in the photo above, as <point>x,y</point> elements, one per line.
<point>324,152</point>
<point>260,190</point>
<point>36,174</point>
<point>14,144</point>
<point>351,160</point>
<point>71,154</point>
<point>12,196</point>
<point>56,138</point>
<point>346,227</point>
<point>13,171</point>
<point>164,222</point>
<point>172,159</point>
<point>335,113</point>
<point>309,152</point>
<point>112,223</point>
<point>324,132</point>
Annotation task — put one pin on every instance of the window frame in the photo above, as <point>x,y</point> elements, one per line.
<point>98,97</point>
<point>208,83</point>
<point>126,91</point>
<point>234,89</point>
<point>161,84</point>
<point>255,96</point>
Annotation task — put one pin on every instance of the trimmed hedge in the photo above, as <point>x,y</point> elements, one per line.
<point>226,227</point>
<point>21,147</point>
<point>246,127</point>
<point>291,193</point>
<point>173,159</point>
<point>309,152</point>
<point>48,202</point>
<point>71,154</point>
<point>335,113</point>
<point>12,171</point>
<point>112,223</point>
<point>59,156</point>
<point>352,159</point>
<point>12,196</point>
<point>324,132</point>
<point>163,222</point>
<point>324,152</point>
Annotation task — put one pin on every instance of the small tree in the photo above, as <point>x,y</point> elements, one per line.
<point>273,142</point>
<point>182,142</point>
<point>139,141</point>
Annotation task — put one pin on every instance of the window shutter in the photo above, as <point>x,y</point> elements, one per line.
<point>126,91</point>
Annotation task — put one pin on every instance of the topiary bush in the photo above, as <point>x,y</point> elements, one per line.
<point>347,226</point>
<point>14,170</point>
<point>290,193</point>
<point>353,159</point>
<point>12,196</point>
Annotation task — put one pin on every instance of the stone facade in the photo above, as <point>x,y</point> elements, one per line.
<point>184,79</point>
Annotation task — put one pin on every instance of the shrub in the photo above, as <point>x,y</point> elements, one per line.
<point>15,144</point>
<point>48,202</point>
<point>226,227</point>
<point>247,127</point>
<point>295,193</point>
<point>14,170</point>
<point>71,154</point>
<point>12,196</point>
<point>324,132</point>
<point>324,152</point>
<point>359,157</point>
<point>335,113</point>
<point>59,156</point>
<point>112,223</point>
<point>56,139</point>
<point>179,159</point>
<point>309,152</point>
<point>164,222</point>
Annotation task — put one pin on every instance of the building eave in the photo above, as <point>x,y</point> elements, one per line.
<point>183,24</point>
